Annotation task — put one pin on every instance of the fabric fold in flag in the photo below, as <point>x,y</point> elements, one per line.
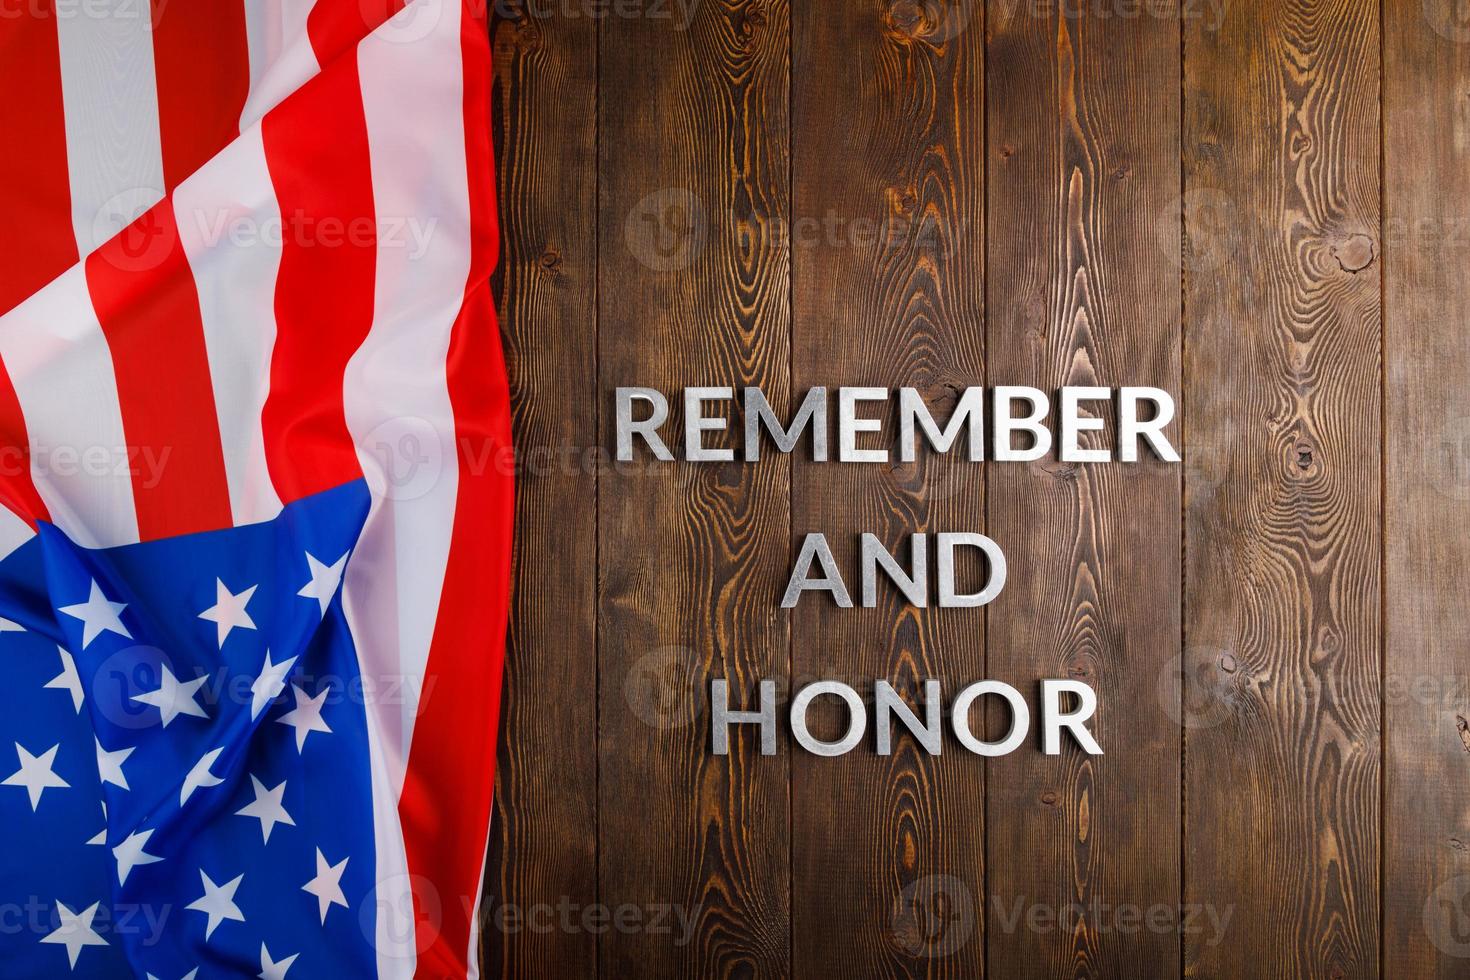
<point>254,530</point>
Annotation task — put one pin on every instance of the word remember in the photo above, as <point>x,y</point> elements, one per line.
<point>1014,411</point>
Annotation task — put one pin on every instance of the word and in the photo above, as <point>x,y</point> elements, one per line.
<point>913,582</point>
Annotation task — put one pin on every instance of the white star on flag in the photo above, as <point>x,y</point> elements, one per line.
<point>188,976</point>
<point>109,764</point>
<point>217,902</point>
<point>228,611</point>
<point>306,717</point>
<point>327,885</point>
<point>172,698</point>
<point>324,580</point>
<point>35,774</point>
<point>274,969</point>
<point>269,685</point>
<point>7,626</point>
<point>75,931</point>
<point>98,615</point>
<point>130,854</point>
<point>68,680</point>
<point>200,777</point>
<point>267,808</point>
<point>100,837</point>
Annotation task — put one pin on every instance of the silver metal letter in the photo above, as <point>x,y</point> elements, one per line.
<point>1074,422</point>
<point>1130,429</point>
<point>648,428</point>
<point>1006,424</point>
<point>911,407</point>
<point>915,587</point>
<point>849,425</point>
<point>696,424</point>
<point>857,721</point>
<point>1053,720</point>
<point>960,718</point>
<point>815,545</point>
<point>759,414</point>
<point>721,717</point>
<point>994,557</point>
<point>930,734</point>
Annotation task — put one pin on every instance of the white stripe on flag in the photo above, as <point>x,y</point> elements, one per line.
<point>395,391</point>
<point>61,367</point>
<point>230,227</point>
<point>110,101</point>
<point>281,55</point>
<point>14,531</point>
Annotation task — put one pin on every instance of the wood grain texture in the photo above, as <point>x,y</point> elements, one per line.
<point>1282,380</point>
<point>887,259</point>
<point>544,832</point>
<point>1426,195</point>
<point>941,193</point>
<point>693,290</point>
<point>1083,289</point>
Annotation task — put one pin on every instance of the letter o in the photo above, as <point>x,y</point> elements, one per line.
<point>857,718</point>
<point>1020,718</point>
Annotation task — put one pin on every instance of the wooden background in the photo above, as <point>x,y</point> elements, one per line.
<point>1263,207</point>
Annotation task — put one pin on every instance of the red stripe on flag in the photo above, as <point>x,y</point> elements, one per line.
<point>17,486</point>
<point>202,62</point>
<point>316,149</point>
<point>336,27</point>
<point>143,291</point>
<point>37,243</point>
<point>445,804</point>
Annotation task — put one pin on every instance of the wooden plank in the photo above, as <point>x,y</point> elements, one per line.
<point>1283,543</point>
<point>1083,289</point>
<point>543,837</point>
<point>887,256</point>
<point>693,291</point>
<point>1426,197</point>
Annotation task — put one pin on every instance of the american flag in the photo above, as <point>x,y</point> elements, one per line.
<point>255,541</point>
